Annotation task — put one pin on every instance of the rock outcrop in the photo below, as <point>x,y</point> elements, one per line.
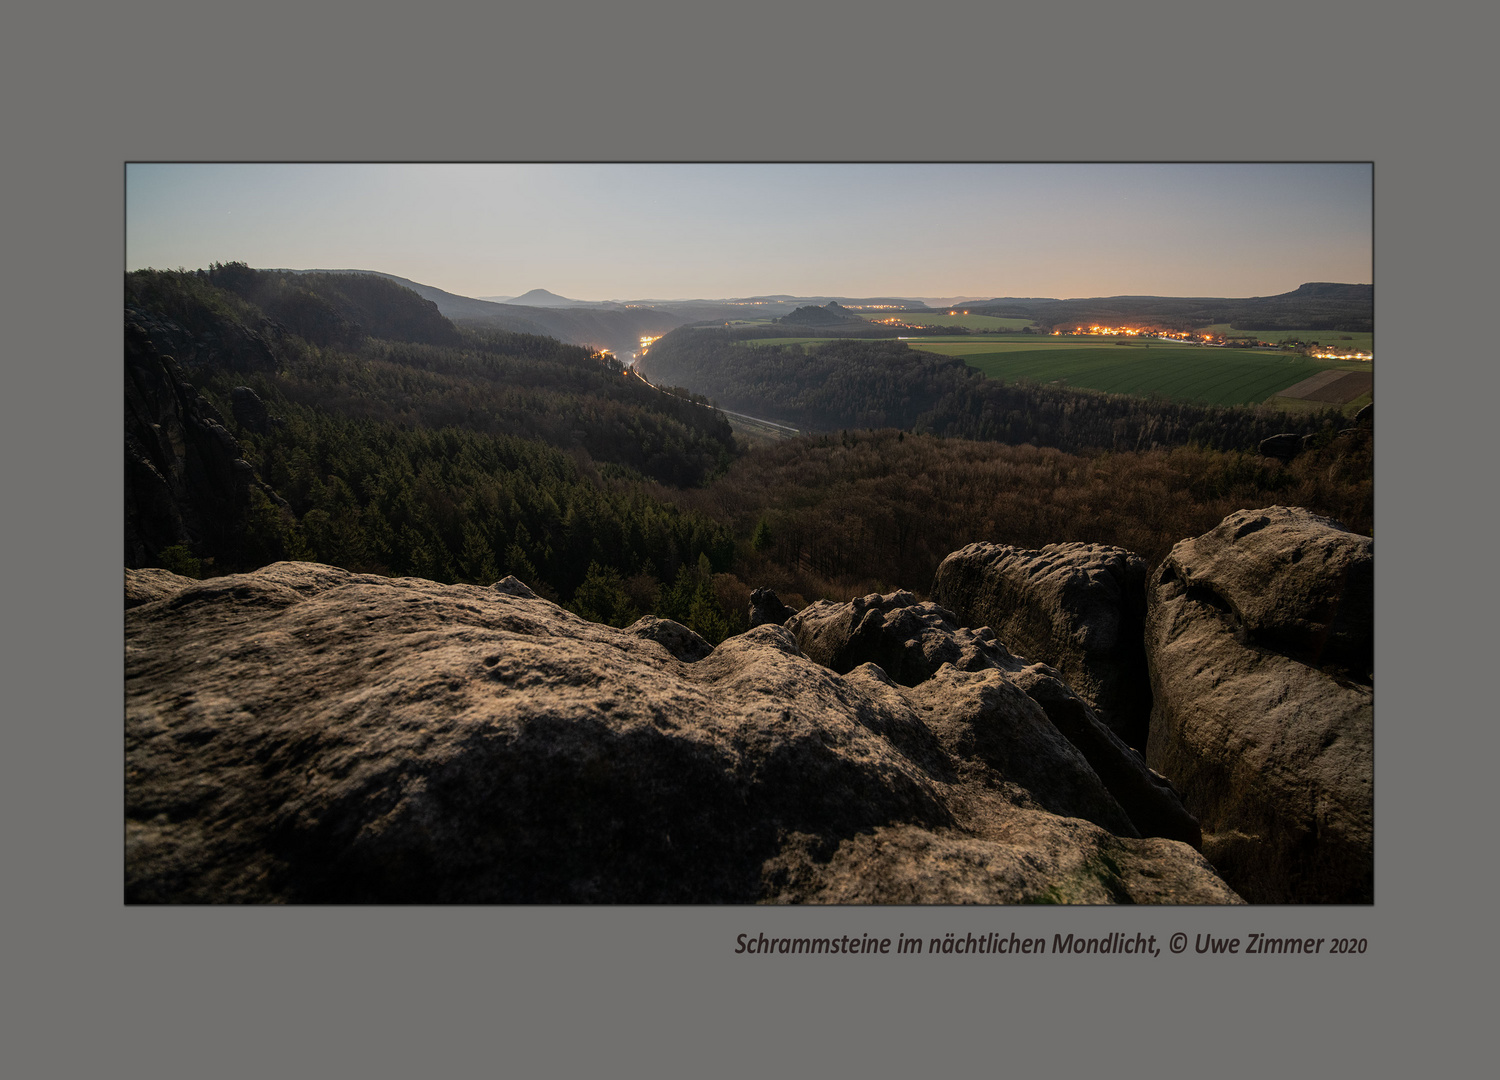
<point>683,643</point>
<point>249,410</point>
<point>1078,607</point>
<point>766,608</point>
<point>1284,446</point>
<point>204,338</point>
<point>185,481</point>
<point>913,642</point>
<point>304,734</point>
<point>152,583</point>
<point>1259,639</point>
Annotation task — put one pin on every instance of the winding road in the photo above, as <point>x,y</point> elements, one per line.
<point>726,412</point>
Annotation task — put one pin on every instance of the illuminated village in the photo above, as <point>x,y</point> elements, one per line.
<point>1237,341</point>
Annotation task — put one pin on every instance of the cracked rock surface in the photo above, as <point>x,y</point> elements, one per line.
<point>304,734</point>
<point>1078,607</point>
<point>1259,636</point>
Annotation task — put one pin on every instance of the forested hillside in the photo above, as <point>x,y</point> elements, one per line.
<point>463,460</point>
<point>338,418</point>
<point>875,384</point>
<point>607,326</point>
<point>855,512</point>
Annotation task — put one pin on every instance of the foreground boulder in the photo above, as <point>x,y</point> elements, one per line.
<point>1078,607</point>
<point>913,642</point>
<point>1259,638</point>
<point>303,734</point>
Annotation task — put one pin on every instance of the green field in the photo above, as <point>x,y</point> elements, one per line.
<point>1172,369</point>
<point>1353,340</point>
<point>966,322</point>
<point>1210,375</point>
<point>966,346</point>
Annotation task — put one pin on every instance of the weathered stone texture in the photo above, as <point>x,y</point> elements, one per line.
<point>1259,641</point>
<point>303,734</point>
<point>1078,607</point>
<point>913,642</point>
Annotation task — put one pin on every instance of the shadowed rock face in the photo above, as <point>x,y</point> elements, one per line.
<point>1259,641</point>
<point>914,642</point>
<point>250,411</point>
<point>220,343</point>
<point>1285,446</point>
<point>683,643</point>
<point>766,607</point>
<point>1077,607</point>
<point>185,482</point>
<point>304,734</point>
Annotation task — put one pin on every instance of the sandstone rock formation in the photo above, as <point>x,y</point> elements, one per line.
<point>185,481</point>
<point>1259,638</point>
<point>152,583</point>
<point>677,639</point>
<point>1285,446</point>
<point>766,607</point>
<point>912,642</point>
<point>1078,607</point>
<point>205,338</point>
<point>305,734</point>
<point>250,411</point>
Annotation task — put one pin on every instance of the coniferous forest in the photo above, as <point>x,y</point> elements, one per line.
<point>378,436</point>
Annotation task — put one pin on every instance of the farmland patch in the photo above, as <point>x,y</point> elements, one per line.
<point>1336,387</point>
<point>1213,376</point>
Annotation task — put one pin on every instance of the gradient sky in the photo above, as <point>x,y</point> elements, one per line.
<point>601,232</point>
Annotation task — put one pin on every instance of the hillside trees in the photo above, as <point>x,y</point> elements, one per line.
<point>501,453</point>
<point>871,384</point>
<point>839,515</point>
<point>457,462</point>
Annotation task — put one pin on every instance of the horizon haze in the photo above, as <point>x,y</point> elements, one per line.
<point>628,232</point>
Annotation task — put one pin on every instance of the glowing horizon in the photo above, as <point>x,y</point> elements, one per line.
<point>635,232</point>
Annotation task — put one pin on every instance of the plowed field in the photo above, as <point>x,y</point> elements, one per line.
<point>1335,387</point>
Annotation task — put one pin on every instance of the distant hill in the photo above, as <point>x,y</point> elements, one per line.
<point>603,326</point>
<point>543,298</point>
<point>831,314</point>
<point>1316,305</point>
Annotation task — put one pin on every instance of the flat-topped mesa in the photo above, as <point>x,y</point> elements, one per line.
<point>1078,607</point>
<point>305,734</point>
<point>1259,637</point>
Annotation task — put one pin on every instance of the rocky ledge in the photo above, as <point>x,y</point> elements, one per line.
<point>1259,635</point>
<point>304,734</point>
<point>1079,607</point>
